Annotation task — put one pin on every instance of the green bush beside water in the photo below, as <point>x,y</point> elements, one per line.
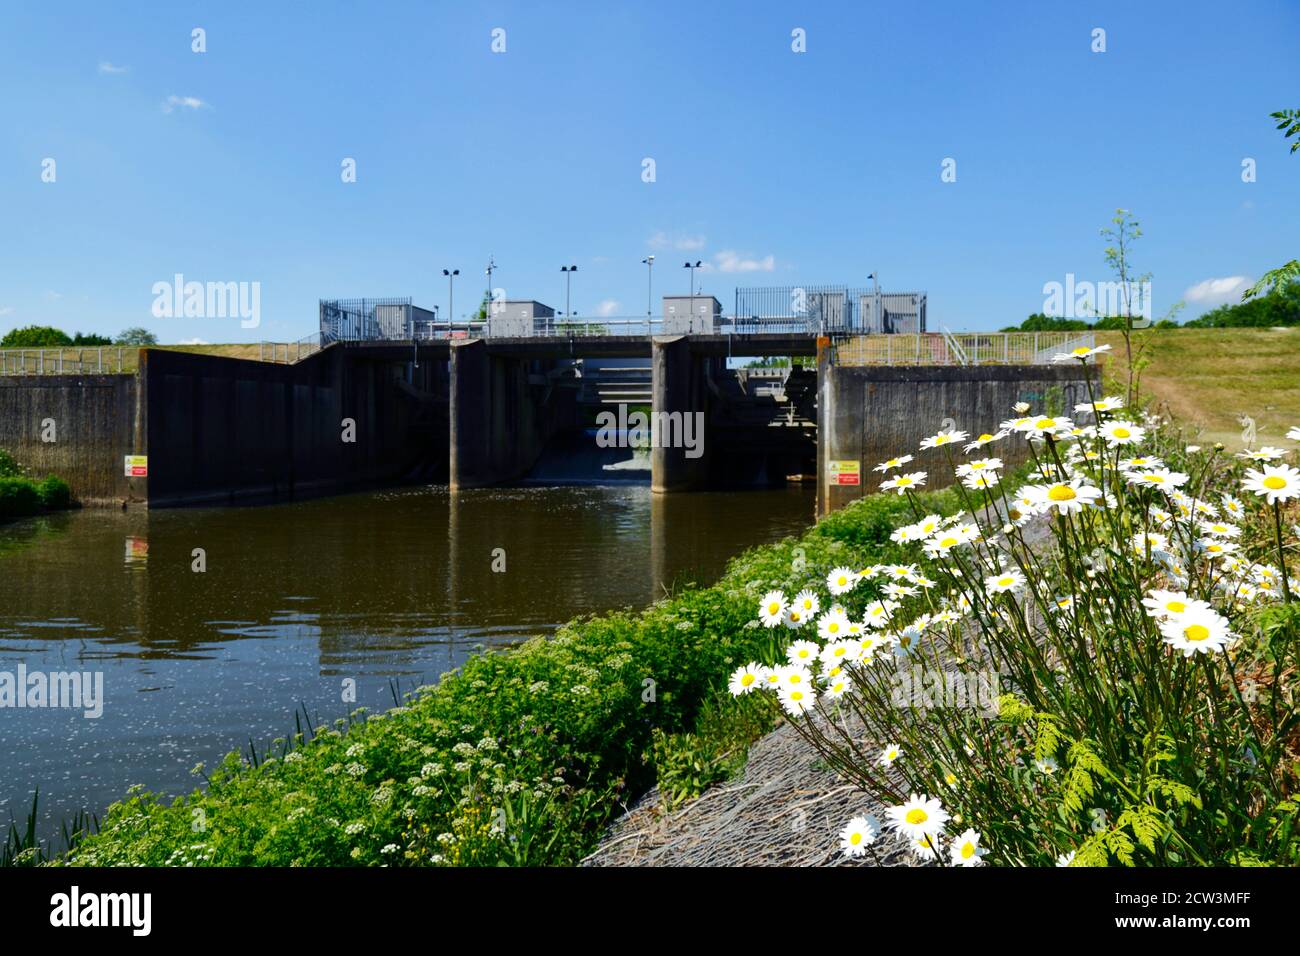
<point>519,757</point>
<point>22,497</point>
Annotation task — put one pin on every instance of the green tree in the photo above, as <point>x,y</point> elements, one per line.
<point>35,337</point>
<point>136,336</point>
<point>91,338</point>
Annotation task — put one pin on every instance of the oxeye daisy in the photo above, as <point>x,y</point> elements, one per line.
<point>889,755</point>
<point>1199,630</point>
<point>1294,434</point>
<point>841,580</point>
<point>1065,859</point>
<point>1141,463</point>
<point>1117,433</point>
<point>797,700</point>
<point>878,613</point>
<point>1220,529</point>
<point>1065,497</point>
<point>1010,580</point>
<point>837,685</point>
<point>794,675</point>
<point>929,525</point>
<point>985,439</point>
<point>904,483</point>
<point>980,464</point>
<point>1267,453</point>
<point>807,602</point>
<point>1082,353</point>
<point>1275,483</point>
<point>836,652</point>
<point>802,653</point>
<point>1161,478</point>
<point>1108,404</point>
<point>858,834</point>
<point>946,436</point>
<point>981,480</point>
<point>1048,425</point>
<point>833,625</point>
<point>919,816</point>
<point>898,462</point>
<point>745,679</point>
<point>771,610</point>
<point>966,849</point>
<point>795,619</point>
<point>771,678</point>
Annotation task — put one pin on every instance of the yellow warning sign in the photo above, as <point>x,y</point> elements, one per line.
<point>845,473</point>
<point>137,466</point>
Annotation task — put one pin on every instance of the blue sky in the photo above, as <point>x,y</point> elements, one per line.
<point>774,167</point>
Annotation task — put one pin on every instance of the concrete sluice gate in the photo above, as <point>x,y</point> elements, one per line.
<point>189,428</point>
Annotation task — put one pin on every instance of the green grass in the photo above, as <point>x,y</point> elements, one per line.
<point>1210,378</point>
<point>520,757</point>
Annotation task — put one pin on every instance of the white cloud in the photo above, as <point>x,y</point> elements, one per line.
<point>728,260</point>
<point>106,67</point>
<point>53,295</point>
<point>661,240</point>
<point>1216,292</point>
<point>607,307</point>
<point>189,102</point>
<point>7,310</point>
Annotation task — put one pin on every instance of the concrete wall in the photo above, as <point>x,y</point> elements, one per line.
<point>97,419</point>
<point>870,414</point>
<point>221,428</point>
<point>502,413</point>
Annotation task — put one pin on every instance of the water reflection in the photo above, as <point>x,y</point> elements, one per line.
<point>297,599</point>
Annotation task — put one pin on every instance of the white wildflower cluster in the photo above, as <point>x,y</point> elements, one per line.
<point>1090,480</point>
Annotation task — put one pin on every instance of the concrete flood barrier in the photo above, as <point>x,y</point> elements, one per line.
<point>479,412</point>
<point>79,427</point>
<point>212,429</point>
<point>868,414</point>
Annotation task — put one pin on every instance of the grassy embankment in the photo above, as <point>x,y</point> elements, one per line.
<point>519,757</point>
<point>1210,378</point>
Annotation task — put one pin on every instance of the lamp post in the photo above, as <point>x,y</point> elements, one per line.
<point>649,288</point>
<point>692,266</point>
<point>568,278</point>
<point>451,315</point>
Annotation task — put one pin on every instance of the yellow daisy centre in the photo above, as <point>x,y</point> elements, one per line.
<point>795,678</point>
<point>773,608</point>
<point>746,680</point>
<point>917,816</point>
<point>1176,607</point>
<point>1196,632</point>
<point>1081,351</point>
<point>841,580</point>
<point>1274,483</point>
<point>948,542</point>
<point>1121,433</point>
<point>796,695</point>
<point>1006,582</point>
<point>967,850</point>
<point>855,838</point>
<point>1062,493</point>
<point>833,627</point>
<point>1045,423</point>
<point>986,437</point>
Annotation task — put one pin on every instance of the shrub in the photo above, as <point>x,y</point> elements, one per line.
<point>8,467</point>
<point>18,498</point>
<point>54,493</point>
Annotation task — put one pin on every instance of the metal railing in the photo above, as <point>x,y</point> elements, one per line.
<point>956,348</point>
<point>101,360</point>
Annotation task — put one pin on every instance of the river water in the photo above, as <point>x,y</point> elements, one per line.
<point>385,589</point>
